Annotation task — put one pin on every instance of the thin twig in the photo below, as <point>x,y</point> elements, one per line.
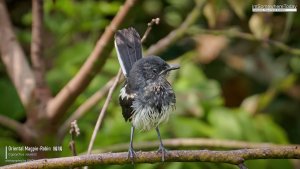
<point>74,131</point>
<point>234,157</point>
<point>284,47</point>
<point>188,143</point>
<point>85,107</point>
<point>242,166</point>
<point>72,147</point>
<point>103,111</point>
<point>178,33</point>
<point>149,28</point>
<point>14,59</point>
<point>65,98</point>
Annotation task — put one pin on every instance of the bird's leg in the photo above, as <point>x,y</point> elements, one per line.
<point>131,153</point>
<point>161,148</point>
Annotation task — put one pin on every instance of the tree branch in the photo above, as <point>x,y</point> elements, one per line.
<point>93,64</point>
<point>173,36</point>
<point>15,61</point>
<point>11,124</point>
<point>233,33</point>
<point>188,143</point>
<point>22,130</point>
<point>42,93</point>
<point>236,157</point>
<point>37,35</point>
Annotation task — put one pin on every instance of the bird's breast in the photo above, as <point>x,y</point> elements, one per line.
<point>152,106</point>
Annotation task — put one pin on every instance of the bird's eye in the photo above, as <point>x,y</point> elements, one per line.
<point>154,70</point>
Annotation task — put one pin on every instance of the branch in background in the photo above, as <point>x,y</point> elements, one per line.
<point>233,33</point>
<point>42,92</point>
<point>37,34</point>
<point>15,126</point>
<point>284,47</point>
<point>85,107</point>
<point>188,143</point>
<point>173,36</point>
<point>103,111</point>
<point>235,157</point>
<point>65,98</point>
<point>14,59</point>
<point>11,124</point>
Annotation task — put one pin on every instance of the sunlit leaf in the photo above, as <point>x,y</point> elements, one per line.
<point>209,12</point>
<point>259,26</point>
<point>225,124</point>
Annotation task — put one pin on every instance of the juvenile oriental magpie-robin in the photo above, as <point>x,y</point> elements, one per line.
<point>146,97</point>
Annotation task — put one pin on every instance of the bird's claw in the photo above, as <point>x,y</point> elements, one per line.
<point>163,152</point>
<point>131,155</point>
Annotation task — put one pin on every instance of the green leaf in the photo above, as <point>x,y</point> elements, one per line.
<point>295,64</point>
<point>172,17</point>
<point>269,130</point>
<point>10,104</point>
<point>190,127</point>
<point>225,124</point>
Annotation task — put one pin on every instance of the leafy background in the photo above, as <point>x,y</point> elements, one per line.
<point>227,88</point>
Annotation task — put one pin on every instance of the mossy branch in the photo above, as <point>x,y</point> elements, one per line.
<point>235,157</point>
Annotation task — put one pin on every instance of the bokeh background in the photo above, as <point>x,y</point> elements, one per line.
<point>234,82</point>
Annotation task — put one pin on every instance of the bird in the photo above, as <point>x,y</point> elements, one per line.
<point>146,98</point>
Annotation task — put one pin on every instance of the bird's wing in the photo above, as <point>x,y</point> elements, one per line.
<point>128,47</point>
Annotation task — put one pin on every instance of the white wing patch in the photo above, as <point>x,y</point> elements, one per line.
<point>123,93</point>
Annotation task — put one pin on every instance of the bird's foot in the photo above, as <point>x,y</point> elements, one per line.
<point>131,155</point>
<point>163,152</point>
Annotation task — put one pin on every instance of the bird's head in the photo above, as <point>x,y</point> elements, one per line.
<point>152,68</point>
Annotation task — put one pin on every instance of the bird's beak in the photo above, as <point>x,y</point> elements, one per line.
<point>172,67</point>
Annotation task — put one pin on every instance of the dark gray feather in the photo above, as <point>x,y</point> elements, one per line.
<point>129,48</point>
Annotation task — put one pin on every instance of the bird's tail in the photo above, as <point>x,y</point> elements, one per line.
<point>128,47</point>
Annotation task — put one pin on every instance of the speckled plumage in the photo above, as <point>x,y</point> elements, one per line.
<point>147,97</point>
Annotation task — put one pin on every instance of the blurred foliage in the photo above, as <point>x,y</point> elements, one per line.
<point>227,88</point>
